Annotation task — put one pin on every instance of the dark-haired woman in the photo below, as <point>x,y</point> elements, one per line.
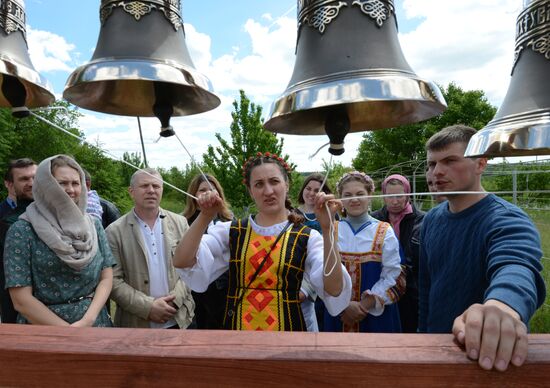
<point>313,184</point>
<point>268,255</point>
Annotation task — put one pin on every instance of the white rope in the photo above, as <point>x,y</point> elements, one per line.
<point>442,193</point>
<point>107,153</point>
<point>332,251</point>
<point>310,157</point>
<point>322,183</point>
<point>198,166</point>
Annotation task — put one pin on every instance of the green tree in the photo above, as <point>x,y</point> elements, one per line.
<point>173,199</point>
<point>33,138</point>
<point>393,146</point>
<point>336,172</point>
<point>529,177</point>
<point>247,138</point>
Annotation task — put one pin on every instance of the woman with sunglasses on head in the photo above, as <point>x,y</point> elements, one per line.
<point>210,304</point>
<point>268,254</point>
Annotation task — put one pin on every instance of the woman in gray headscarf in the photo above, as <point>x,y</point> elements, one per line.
<point>58,263</point>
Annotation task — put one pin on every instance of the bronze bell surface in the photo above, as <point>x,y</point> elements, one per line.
<point>141,65</point>
<point>22,86</point>
<point>350,74</point>
<point>521,125</point>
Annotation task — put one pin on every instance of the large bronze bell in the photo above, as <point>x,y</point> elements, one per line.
<point>141,65</point>
<point>521,125</point>
<point>350,74</point>
<point>22,86</point>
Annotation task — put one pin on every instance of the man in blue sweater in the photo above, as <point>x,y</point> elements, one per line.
<point>480,260</point>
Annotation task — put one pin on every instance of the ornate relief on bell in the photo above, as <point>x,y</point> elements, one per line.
<point>22,86</point>
<point>141,65</point>
<point>350,74</point>
<point>521,125</point>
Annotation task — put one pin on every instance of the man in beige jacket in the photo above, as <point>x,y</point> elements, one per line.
<point>147,290</point>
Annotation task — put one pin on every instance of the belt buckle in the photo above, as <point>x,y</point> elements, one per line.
<point>75,300</point>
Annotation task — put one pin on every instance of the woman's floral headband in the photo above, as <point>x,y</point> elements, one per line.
<point>252,161</point>
<point>358,175</point>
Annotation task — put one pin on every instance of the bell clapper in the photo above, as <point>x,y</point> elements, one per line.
<point>164,113</point>
<point>337,126</point>
<point>20,112</point>
<point>14,91</point>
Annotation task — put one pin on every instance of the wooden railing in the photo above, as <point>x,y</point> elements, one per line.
<point>71,357</point>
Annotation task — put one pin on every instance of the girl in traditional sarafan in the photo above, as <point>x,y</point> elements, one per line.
<point>370,253</point>
<point>268,254</point>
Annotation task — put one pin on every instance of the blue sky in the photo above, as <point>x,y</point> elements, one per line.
<point>249,44</point>
<point>224,24</point>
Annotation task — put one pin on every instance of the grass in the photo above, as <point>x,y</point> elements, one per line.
<point>540,323</point>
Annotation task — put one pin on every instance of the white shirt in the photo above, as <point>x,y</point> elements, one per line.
<point>213,260</point>
<point>158,275</point>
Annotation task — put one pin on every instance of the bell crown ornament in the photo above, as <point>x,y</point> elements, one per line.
<point>350,74</point>
<point>22,86</point>
<point>141,65</point>
<point>521,126</point>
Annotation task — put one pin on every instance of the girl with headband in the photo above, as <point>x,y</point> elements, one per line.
<point>268,254</point>
<point>370,253</point>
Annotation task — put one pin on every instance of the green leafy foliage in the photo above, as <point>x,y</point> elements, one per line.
<point>390,147</point>
<point>247,138</point>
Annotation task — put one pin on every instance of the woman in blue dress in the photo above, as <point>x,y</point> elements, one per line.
<point>58,263</point>
<point>370,253</point>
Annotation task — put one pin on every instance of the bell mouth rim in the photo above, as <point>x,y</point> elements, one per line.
<point>409,98</point>
<point>39,91</point>
<point>526,134</point>
<point>98,73</point>
<point>531,117</point>
<point>130,66</point>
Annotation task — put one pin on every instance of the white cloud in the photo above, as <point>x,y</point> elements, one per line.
<point>266,70</point>
<point>470,42</point>
<point>199,45</point>
<point>49,52</point>
<point>119,134</point>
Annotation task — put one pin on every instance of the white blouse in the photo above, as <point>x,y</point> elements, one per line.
<point>359,242</point>
<point>213,260</point>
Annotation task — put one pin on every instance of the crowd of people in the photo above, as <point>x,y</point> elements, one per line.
<point>470,266</point>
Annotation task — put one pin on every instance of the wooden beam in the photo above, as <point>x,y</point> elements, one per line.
<point>68,357</point>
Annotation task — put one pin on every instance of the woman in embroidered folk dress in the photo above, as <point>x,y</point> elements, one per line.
<point>370,252</point>
<point>267,255</point>
<point>58,263</point>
